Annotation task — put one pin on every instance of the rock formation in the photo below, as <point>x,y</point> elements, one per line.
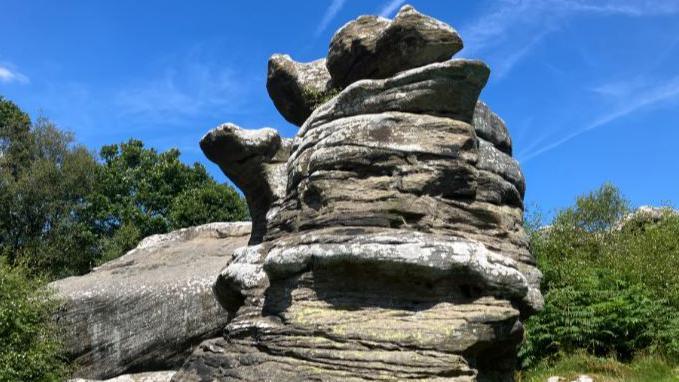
<point>255,162</point>
<point>296,89</point>
<point>147,309</point>
<point>374,47</point>
<point>396,249</point>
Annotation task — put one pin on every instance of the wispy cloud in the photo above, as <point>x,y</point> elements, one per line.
<point>508,28</point>
<point>8,75</point>
<point>330,13</point>
<point>183,91</point>
<point>389,8</point>
<point>503,67</point>
<point>640,99</point>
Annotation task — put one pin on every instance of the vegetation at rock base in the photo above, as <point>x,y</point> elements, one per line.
<point>29,350</point>
<point>644,368</point>
<point>611,290</point>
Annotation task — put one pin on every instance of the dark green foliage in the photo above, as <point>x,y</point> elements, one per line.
<point>213,202</point>
<point>62,211</point>
<point>42,201</point>
<point>29,349</point>
<point>15,138</point>
<point>609,289</point>
<point>139,192</point>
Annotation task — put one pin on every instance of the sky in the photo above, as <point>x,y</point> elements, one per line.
<point>589,89</point>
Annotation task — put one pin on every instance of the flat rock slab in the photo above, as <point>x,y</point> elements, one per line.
<point>158,376</point>
<point>148,308</point>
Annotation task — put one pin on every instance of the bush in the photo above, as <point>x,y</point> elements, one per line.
<point>608,290</point>
<point>210,203</point>
<point>30,350</point>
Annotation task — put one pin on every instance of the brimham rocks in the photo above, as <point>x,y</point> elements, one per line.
<point>388,239</point>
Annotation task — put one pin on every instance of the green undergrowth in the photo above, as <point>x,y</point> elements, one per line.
<point>611,291</point>
<point>644,368</point>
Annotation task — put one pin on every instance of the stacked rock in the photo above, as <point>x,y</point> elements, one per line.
<point>396,251</point>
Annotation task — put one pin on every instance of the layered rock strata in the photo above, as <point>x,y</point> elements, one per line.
<point>147,309</point>
<point>397,251</point>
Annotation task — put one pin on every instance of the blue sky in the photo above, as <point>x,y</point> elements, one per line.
<point>589,88</point>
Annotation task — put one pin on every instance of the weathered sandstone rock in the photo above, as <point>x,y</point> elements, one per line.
<point>491,128</point>
<point>447,89</point>
<point>255,161</point>
<point>643,216</point>
<point>397,249</point>
<point>374,47</point>
<point>148,308</point>
<point>296,89</point>
<point>157,376</point>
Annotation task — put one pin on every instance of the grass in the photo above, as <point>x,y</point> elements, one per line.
<point>647,368</point>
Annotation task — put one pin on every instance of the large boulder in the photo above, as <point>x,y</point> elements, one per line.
<point>147,309</point>
<point>374,47</point>
<point>295,88</point>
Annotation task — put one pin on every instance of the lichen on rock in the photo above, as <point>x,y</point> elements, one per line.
<point>394,248</point>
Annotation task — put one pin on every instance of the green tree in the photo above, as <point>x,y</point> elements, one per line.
<point>211,202</point>
<point>140,192</point>
<point>15,137</point>
<point>608,289</point>
<point>42,202</point>
<point>62,211</point>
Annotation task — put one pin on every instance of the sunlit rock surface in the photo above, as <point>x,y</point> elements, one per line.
<point>147,309</point>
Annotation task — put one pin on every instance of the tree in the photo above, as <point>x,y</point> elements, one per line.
<point>212,202</point>
<point>42,201</point>
<point>15,137</point>
<point>140,192</point>
<point>62,211</point>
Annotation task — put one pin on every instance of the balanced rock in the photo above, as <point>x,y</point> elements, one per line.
<point>148,308</point>
<point>255,161</point>
<point>296,89</point>
<point>397,249</point>
<point>374,47</point>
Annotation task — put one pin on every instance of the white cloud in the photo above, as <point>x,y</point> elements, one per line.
<point>8,75</point>
<point>509,27</point>
<point>630,103</point>
<point>191,89</point>
<point>391,7</point>
<point>330,13</point>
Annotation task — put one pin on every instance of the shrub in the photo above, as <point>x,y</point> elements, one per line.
<point>30,350</point>
<point>608,290</point>
<point>210,203</point>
